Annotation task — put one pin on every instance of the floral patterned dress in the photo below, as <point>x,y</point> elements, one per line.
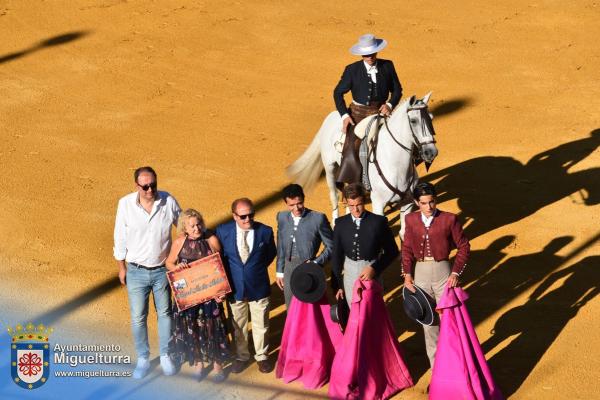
<point>200,332</point>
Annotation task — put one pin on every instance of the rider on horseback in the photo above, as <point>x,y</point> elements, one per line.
<point>375,89</point>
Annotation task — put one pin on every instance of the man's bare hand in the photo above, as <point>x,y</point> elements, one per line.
<point>340,294</point>
<point>409,282</point>
<point>182,265</point>
<point>452,281</point>
<point>385,110</point>
<point>123,277</point>
<point>122,272</point>
<point>346,123</point>
<point>220,299</point>
<point>367,273</point>
<point>279,282</point>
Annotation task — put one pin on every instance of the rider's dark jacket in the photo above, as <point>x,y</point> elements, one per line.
<point>364,91</point>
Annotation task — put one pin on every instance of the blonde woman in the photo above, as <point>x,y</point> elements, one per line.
<point>199,333</point>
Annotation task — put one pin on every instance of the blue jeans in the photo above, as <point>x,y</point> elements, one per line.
<point>140,282</point>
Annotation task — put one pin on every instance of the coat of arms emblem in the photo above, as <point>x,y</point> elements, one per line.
<point>30,355</point>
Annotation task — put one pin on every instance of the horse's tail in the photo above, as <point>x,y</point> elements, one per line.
<point>306,170</point>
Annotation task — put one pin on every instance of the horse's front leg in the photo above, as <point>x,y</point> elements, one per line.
<point>404,209</point>
<point>378,203</point>
<point>333,196</point>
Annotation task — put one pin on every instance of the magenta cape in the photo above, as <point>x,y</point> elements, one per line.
<point>369,363</point>
<point>308,344</point>
<point>460,371</point>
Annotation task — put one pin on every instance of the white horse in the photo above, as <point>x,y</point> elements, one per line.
<point>409,126</point>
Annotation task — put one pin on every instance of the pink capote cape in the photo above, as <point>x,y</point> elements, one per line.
<point>369,363</point>
<point>460,371</point>
<point>308,344</point>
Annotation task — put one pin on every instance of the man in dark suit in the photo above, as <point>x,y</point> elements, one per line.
<point>373,82</point>
<point>363,244</point>
<point>248,249</point>
<point>300,232</point>
<point>375,89</point>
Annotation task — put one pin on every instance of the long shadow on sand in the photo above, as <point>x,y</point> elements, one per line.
<point>51,42</point>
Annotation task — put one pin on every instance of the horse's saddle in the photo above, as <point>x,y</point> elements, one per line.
<point>366,127</point>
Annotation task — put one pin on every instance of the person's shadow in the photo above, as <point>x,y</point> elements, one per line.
<point>481,261</point>
<point>497,287</point>
<point>538,322</point>
<point>496,191</point>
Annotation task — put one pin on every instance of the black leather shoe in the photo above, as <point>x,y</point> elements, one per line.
<point>264,366</point>
<point>238,366</point>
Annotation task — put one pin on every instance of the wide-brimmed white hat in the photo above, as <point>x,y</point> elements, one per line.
<point>367,44</point>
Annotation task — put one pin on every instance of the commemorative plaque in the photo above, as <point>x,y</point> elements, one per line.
<point>203,281</point>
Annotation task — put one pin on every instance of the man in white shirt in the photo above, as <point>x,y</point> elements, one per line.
<point>142,242</point>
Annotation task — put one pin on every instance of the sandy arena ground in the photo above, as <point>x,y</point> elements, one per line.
<point>219,97</point>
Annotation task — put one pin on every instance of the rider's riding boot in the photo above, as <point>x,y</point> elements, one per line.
<point>350,170</point>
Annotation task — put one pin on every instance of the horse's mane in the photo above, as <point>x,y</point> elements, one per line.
<point>403,106</point>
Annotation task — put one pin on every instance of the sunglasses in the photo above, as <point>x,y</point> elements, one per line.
<point>244,217</point>
<point>148,186</point>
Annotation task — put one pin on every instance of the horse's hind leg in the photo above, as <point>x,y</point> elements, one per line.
<point>333,196</point>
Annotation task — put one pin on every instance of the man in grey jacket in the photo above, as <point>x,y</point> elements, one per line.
<point>300,232</point>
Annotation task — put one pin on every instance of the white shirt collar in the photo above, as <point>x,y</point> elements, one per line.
<point>296,219</point>
<point>428,220</point>
<point>370,68</point>
<point>357,220</point>
<point>240,230</point>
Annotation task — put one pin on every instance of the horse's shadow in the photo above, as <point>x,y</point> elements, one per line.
<point>497,191</point>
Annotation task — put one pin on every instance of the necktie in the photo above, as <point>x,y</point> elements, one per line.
<point>373,72</point>
<point>245,251</point>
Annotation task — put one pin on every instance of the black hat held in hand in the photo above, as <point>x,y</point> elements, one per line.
<point>419,306</point>
<point>308,282</point>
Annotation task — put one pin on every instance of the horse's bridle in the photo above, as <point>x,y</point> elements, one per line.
<point>420,145</point>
